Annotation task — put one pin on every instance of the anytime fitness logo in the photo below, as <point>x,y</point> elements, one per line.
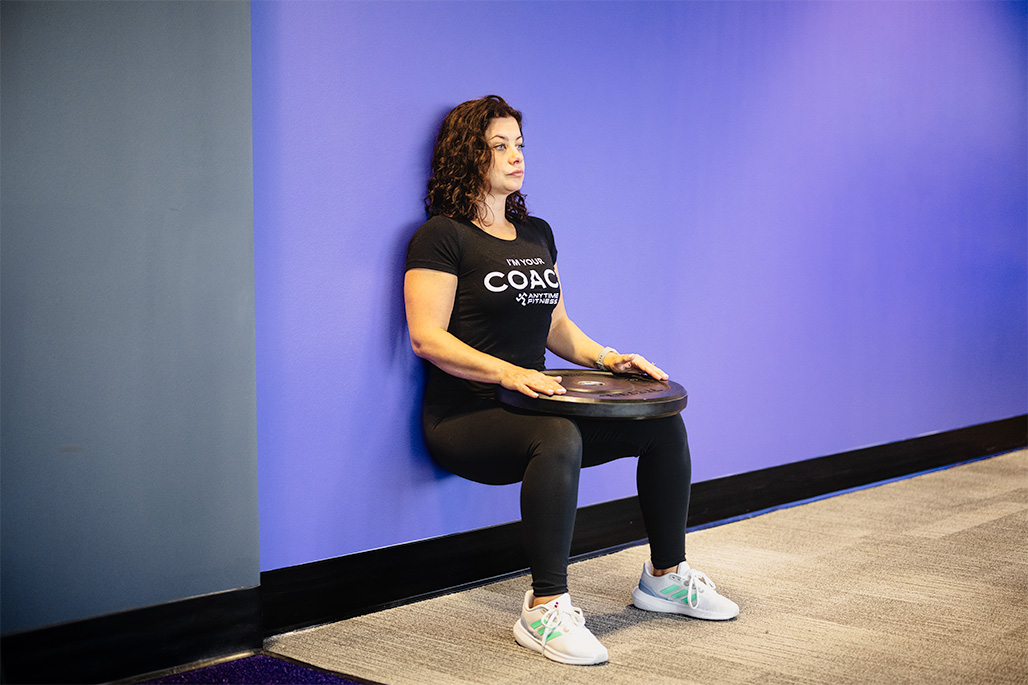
<point>525,280</point>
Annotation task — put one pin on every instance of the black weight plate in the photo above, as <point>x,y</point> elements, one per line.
<point>604,395</point>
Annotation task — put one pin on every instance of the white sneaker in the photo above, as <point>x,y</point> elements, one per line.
<point>557,630</point>
<point>685,591</point>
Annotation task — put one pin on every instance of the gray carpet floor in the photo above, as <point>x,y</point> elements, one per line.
<point>923,580</point>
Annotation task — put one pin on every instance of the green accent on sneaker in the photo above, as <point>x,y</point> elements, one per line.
<point>539,628</point>
<point>683,595</point>
<point>670,588</point>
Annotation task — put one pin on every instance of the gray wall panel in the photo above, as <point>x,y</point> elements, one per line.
<point>129,449</point>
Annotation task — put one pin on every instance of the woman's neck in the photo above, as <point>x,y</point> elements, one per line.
<point>493,218</point>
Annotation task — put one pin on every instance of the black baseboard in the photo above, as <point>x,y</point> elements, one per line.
<point>732,496</point>
<point>147,640</point>
<point>334,589</point>
<point>132,643</point>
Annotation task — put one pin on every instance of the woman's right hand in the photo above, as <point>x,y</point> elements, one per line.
<point>531,382</point>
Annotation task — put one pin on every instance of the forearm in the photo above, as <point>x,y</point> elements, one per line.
<point>457,358</point>
<point>569,342</point>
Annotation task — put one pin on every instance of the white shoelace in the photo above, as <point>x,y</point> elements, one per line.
<point>554,618</point>
<point>696,581</point>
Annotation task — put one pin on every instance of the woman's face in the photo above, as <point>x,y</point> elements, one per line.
<point>507,171</point>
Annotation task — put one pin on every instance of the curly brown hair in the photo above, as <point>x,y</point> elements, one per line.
<point>461,160</point>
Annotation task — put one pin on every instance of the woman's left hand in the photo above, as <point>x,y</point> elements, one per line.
<point>633,363</point>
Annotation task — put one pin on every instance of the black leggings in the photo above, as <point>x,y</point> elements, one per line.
<point>493,444</point>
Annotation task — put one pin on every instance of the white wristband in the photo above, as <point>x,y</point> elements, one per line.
<point>603,353</point>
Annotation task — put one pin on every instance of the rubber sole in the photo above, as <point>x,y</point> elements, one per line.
<point>525,638</point>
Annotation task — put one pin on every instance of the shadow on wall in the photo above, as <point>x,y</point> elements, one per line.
<point>398,337</point>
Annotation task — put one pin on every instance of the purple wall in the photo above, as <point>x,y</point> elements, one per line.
<point>813,215</point>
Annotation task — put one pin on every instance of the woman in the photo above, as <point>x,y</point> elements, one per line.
<point>483,303</point>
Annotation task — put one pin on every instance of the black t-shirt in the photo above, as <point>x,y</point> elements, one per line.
<point>506,292</point>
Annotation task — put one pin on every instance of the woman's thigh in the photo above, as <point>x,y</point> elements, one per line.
<point>495,444</point>
<point>604,440</point>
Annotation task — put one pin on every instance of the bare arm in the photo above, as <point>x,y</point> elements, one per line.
<point>428,297</point>
<point>569,342</point>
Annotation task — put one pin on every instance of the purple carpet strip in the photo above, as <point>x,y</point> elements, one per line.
<point>253,670</point>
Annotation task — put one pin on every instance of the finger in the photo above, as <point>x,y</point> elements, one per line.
<point>654,371</point>
<point>535,392</point>
<point>658,373</point>
<point>648,367</point>
<point>550,385</point>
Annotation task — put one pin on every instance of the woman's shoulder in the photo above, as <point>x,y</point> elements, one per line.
<point>539,231</point>
<point>438,222</point>
<point>442,225</point>
<point>439,227</point>
<point>539,226</point>
<point>437,244</point>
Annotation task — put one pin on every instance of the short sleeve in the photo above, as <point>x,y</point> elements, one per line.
<point>546,233</point>
<point>435,245</point>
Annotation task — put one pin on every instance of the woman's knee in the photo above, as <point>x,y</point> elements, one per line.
<point>670,431</point>
<point>558,440</point>
<point>666,446</point>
